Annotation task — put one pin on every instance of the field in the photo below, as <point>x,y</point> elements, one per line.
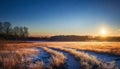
<point>60,55</point>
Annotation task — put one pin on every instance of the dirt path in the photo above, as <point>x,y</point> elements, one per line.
<point>71,62</point>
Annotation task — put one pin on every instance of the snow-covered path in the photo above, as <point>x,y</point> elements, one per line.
<point>71,62</point>
<point>104,57</point>
<point>43,56</point>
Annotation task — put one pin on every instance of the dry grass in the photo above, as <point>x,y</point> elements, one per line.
<point>57,58</point>
<point>88,61</point>
<point>37,65</point>
<point>17,56</point>
<point>99,47</point>
<point>16,59</point>
<point>102,47</point>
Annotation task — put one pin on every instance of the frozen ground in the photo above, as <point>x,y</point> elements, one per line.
<point>43,56</point>
<point>71,62</point>
<point>105,57</point>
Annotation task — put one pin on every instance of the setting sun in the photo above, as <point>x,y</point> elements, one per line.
<point>103,32</point>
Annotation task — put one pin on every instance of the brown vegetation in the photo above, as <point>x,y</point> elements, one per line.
<point>16,56</point>
<point>98,47</point>
<point>88,61</point>
<point>57,58</point>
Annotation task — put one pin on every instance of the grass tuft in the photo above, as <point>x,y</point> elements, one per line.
<point>57,58</point>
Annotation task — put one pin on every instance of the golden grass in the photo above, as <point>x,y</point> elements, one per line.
<point>99,47</point>
<point>16,59</point>
<point>57,58</point>
<point>17,56</point>
<point>88,61</point>
<point>37,65</point>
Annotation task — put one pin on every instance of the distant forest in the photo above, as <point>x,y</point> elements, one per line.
<point>74,38</point>
<point>8,32</point>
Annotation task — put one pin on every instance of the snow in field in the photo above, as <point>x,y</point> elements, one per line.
<point>106,57</point>
<point>71,62</point>
<point>43,56</point>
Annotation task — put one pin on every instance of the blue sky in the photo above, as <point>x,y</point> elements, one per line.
<point>63,17</point>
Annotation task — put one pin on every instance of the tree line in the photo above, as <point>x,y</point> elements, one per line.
<point>7,31</point>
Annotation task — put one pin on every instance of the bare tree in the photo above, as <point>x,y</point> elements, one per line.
<point>16,31</point>
<point>9,32</point>
<point>21,33</point>
<point>7,28</point>
<point>25,32</point>
<point>1,28</point>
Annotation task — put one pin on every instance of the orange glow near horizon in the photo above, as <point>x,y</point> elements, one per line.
<point>103,31</point>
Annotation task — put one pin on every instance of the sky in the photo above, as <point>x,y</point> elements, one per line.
<point>63,17</point>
